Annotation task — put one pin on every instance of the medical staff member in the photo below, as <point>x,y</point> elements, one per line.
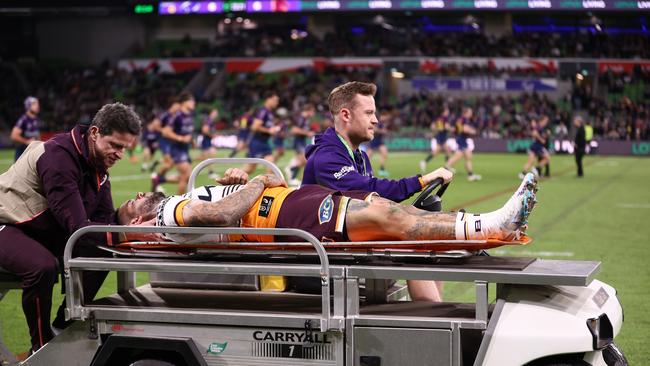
<point>335,161</point>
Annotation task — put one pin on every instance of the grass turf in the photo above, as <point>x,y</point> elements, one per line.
<point>602,217</point>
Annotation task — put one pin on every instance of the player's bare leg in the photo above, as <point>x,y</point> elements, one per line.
<point>366,221</point>
<point>184,170</point>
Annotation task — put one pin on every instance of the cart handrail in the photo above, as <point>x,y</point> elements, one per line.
<point>324,271</point>
<point>230,161</point>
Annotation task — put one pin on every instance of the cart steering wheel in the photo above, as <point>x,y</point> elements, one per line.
<point>428,201</point>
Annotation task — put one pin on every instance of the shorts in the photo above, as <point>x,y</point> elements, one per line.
<point>538,149</point>
<point>317,210</point>
<point>242,135</point>
<point>152,145</point>
<point>441,138</point>
<point>259,149</point>
<point>206,143</point>
<point>180,153</point>
<point>300,144</point>
<point>19,151</point>
<point>377,142</point>
<point>464,144</point>
<point>164,145</point>
<point>278,142</point>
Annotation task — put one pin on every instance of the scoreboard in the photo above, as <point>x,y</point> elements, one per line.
<point>279,6</point>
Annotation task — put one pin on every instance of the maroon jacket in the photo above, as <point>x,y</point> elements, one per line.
<point>53,190</point>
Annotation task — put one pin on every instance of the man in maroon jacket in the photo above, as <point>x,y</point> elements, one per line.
<point>58,187</point>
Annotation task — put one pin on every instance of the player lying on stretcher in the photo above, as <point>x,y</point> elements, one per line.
<point>266,202</point>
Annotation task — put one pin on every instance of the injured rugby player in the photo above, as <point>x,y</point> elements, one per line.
<point>266,202</point>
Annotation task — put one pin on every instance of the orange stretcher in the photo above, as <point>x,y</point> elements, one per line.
<point>420,246</point>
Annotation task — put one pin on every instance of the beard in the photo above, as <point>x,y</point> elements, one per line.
<point>152,202</point>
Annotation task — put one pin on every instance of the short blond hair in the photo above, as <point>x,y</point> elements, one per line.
<point>343,95</point>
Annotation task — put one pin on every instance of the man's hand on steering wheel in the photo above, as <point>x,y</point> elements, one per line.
<point>443,173</point>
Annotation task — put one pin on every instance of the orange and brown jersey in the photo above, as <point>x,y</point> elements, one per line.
<point>262,214</point>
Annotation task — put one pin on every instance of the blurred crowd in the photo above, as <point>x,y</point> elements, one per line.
<point>72,94</point>
<point>382,41</point>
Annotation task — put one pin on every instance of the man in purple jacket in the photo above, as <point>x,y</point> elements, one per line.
<point>335,161</point>
<point>57,187</point>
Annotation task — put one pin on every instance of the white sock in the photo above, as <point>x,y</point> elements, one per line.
<point>476,226</point>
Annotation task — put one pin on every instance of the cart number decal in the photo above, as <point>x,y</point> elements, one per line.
<point>291,351</point>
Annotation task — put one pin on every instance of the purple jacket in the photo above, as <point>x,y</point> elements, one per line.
<point>329,164</point>
<point>54,190</point>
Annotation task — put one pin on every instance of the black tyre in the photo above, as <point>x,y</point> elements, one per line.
<point>560,360</point>
<point>613,356</point>
<point>152,362</point>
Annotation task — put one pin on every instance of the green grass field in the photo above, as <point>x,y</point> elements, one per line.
<point>602,217</point>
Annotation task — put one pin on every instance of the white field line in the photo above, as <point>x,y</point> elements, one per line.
<point>533,253</point>
<point>633,205</point>
<point>124,178</point>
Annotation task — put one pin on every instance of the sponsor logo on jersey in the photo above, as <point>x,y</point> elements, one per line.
<point>265,206</point>
<point>343,172</point>
<point>326,210</point>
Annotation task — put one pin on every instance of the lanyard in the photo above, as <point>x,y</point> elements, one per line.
<point>351,153</point>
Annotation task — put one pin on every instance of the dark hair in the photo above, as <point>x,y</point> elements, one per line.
<point>171,100</point>
<point>185,96</point>
<point>117,117</point>
<point>343,95</point>
<point>309,107</point>
<point>270,94</point>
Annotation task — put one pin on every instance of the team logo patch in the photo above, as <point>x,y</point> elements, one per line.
<point>265,206</point>
<point>477,225</point>
<point>326,210</point>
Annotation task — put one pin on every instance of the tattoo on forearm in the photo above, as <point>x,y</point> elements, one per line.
<point>226,212</point>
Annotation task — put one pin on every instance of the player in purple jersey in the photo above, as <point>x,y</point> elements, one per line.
<point>150,143</point>
<point>263,128</point>
<point>440,128</point>
<point>537,150</point>
<point>179,133</point>
<point>243,125</point>
<point>378,143</point>
<point>282,125</point>
<point>302,135</point>
<point>208,132</point>
<point>27,129</point>
<point>465,129</point>
<point>167,162</point>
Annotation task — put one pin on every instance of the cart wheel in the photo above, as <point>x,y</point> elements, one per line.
<point>613,356</point>
<point>152,362</point>
<point>560,360</point>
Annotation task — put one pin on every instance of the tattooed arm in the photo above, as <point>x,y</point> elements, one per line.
<point>229,210</point>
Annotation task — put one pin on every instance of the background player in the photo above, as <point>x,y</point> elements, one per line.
<point>208,132</point>
<point>537,150</point>
<point>27,128</point>
<point>243,125</point>
<point>179,133</point>
<point>465,129</point>
<point>167,162</point>
<point>263,128</point>
<point>301,135</point>
<point>377,143</point>
<point>150,143</point>
<point>440,128</point>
